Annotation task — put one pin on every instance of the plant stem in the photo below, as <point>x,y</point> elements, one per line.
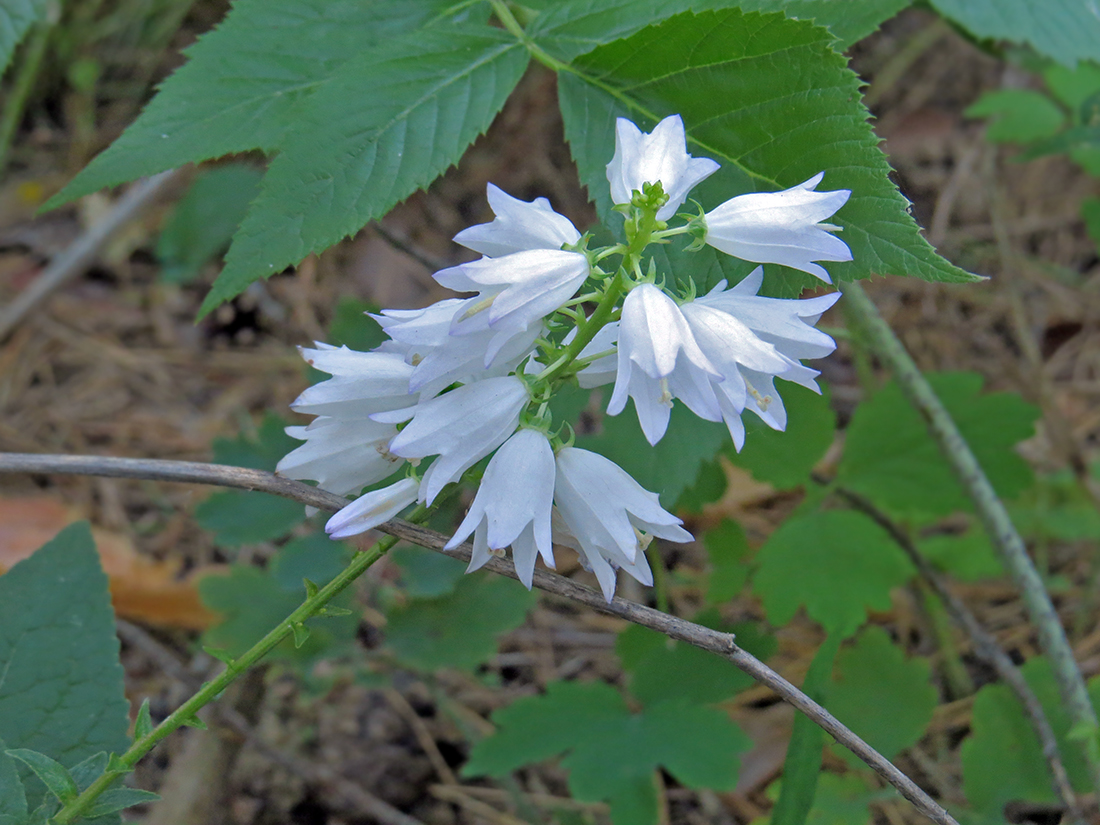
<point>995,518</point>
<point>234,669</point>
<point>21,89</point>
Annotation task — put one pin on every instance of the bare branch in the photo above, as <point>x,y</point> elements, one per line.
<point>722,644</point>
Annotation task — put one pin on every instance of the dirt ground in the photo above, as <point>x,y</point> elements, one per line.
<point>113,364</point>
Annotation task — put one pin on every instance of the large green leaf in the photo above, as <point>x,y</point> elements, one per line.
<point>242,82</point>
<point>61,690</point>
<point>835,563</point>
<point>890,457</point>
<point>1065,30</point>
<point>770,100</point>
<point>16,19</point>
<point>572,28</point>
<point>386,123</point>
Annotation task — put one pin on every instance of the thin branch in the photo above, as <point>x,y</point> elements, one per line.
<point>985,647</point>
<point>722,644</point>
<point>1006,539</point>
<point>80,253</point>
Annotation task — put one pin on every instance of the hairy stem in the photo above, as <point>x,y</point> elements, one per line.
<point>705,638</point>
<point>995,518</point>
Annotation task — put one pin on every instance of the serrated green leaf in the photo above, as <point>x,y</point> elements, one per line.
<point>252,602</point>
<point>785,459</point>
<point>315,557</point>
<point>424,574</point>
<point>835,563</point>
<point>52,773</point>
<point>204,220</point>
<point>460,629</point>
<point>16,19</point>
<point>890,458</point>
<point>728,549</point>
<point>13,799</point>
<point>143,725</point>
<point>1002,743</point>
<point>610,749</point>
<point>771,101</point>
<point>635,802</point>
<point>841,800</point>
<point>1064,30</point>
<point>667,468</point>
<point>802,765</point>
<point>85,773</point>
<point>1075,86</point>
<point>967,556</point>
<point>572,28</point>
<point>665,671</point>
<point>62,691</point>
<point>238,517</point>
<point>243,81</point>
<point>887,699</point>
<point>351,326</point>
<point>419,101</point>
<point>118,799</point>
<point>1018,115</point>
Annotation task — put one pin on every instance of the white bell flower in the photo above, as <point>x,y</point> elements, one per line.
<point>781,227</point>
<point>658,360</point>
<point>660,156</point>
<point>372,509</point>
<point>423,338</point>
<point>515,292</point>
<point>461,426</point>
<point>362,383</point>
<point>518,226</point>
<point>607,512</point>
<point>512,506</point>
<point>342,455</point>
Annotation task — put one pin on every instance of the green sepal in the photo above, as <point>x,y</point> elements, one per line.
<point>218,653</point>
<point>301,633</point>
<point>53,774</point>
<point>116,765</point>
<point>143,725</point>
<point>333,612</point>
<point>311,588</point>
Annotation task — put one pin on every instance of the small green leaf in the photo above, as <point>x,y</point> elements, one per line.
<point>967,556</point>
<point>1074,87</point>
<point>204,220</point>
<point>118,799</point>
<point>1064,30</point>
<point>835,563</point>
<point>881,695</point>
<point>219,654</point>
<point>334,612</point>
<point>16,19</point>
<point>802,766</point>
<point>311,588</point>
<point>62,692</point>
<point>460,629</point>
<point>890,458</point>
<point>1090,213</point>
<point>52,773</point>
<point>239,517</point>
<point>785,459</point>
<point>841,800</point>
<point>315,557</point>
<point>301,633</point>
<point>91,769</point>
<point>728,550</point>
<point>673,464</point>
<point>1018,115</point>
<point>351,326</point>
<point>194,722</point>
<point>424,574</point>
<point>143,725</point>
<point>708,487</point>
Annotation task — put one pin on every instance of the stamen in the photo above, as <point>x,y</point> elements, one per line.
<point>484,303</point>
<point>666,397</point>
<point>762,401</point>
<point>643,539</point>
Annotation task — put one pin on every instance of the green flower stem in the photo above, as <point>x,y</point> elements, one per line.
<point>586,331</point>
<point>211,690</point>
<point>995,518</point>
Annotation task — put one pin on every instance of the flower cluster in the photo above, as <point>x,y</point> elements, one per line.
<point>470,378</point>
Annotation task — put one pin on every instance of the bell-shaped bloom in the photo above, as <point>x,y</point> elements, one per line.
<point>512,506</point>
<point>658,360</point>
<point>461,426</point>
<point>610,515</point>
<point>781,227</point>
<point>362,383</point>
<point>515,292</point>
<point>518,226</point>
<point>438,358</point>
<point>372,509</point>
<point>604,369</point>
<point>787,325</point>
<point>342,455</point>
<point>660,156</point>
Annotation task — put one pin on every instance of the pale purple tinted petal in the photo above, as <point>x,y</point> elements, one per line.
<point>372,509</point>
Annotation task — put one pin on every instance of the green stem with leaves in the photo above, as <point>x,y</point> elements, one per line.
<point>995,518</point>
<point>313,606</point>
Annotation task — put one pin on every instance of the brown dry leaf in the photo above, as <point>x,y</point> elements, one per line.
<point>142,589</point>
